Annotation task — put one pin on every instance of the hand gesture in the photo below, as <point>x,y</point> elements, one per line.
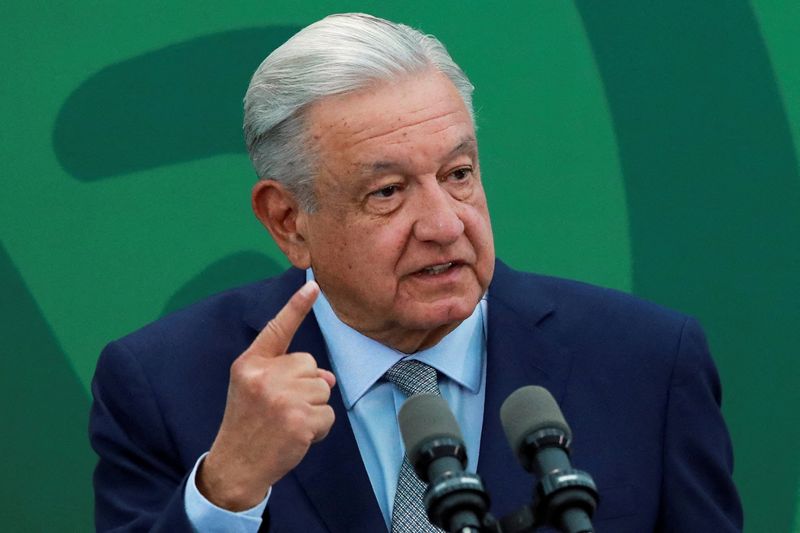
<point>277,406</point>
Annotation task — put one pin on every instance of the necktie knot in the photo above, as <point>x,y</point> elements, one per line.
<point>413,377</point>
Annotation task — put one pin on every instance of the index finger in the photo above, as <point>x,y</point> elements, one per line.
<point>274,339</point>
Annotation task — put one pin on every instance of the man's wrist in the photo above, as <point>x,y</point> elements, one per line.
<point>232,493</point>
<point>206,517</point>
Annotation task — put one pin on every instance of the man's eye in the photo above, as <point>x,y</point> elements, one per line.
<point>461,174</point>
<point>386,192</point>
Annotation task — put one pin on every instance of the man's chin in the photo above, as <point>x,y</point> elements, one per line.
<point>449,312</point>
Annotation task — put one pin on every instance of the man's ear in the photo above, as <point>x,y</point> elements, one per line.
<point>280,213</point>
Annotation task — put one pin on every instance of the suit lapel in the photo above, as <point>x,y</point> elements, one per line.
<point>333,468</point>
<point>332,473</point>
<point>522,349</point>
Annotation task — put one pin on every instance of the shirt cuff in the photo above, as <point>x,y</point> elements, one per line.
<point>206,517</point>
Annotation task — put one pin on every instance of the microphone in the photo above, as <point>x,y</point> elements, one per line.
<point>455,500</point>
<point>540,438</point>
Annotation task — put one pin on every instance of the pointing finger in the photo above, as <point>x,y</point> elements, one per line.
<point>274,339</point>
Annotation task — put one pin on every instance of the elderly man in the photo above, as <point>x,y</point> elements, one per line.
<point>361,131</point>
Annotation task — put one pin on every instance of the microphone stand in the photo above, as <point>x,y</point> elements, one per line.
<point>564,498</point>
<point>567,499</point>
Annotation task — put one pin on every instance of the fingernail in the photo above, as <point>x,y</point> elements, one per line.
<point>309,288</point>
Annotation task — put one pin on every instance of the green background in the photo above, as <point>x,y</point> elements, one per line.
<point>646,146</point>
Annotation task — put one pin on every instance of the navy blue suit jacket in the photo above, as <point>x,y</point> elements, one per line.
<point>635,382</point>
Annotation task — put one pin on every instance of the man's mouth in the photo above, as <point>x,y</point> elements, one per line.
<point>433,270</point>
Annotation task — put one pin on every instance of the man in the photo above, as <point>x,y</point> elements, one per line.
<point>362,134</point>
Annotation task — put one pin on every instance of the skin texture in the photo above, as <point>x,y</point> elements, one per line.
<point>398,192</point>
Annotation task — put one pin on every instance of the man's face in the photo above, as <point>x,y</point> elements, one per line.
<point>401,242</point>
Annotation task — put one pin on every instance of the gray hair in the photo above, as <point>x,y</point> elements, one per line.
<point>336,55</point>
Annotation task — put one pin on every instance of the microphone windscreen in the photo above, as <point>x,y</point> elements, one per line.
<point>530,409</point>
<point>424,417</point>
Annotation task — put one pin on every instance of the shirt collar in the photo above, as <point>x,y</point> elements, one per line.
<point>359,362</point>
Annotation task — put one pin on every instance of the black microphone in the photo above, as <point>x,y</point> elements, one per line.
<point>540,437</point>
<point>455,500</point>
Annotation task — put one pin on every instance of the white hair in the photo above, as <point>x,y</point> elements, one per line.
<point>336,55</point>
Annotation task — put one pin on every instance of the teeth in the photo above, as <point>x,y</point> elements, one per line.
<point>437,269</point>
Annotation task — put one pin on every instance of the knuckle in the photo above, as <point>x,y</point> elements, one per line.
<point>238,366</point>
<point>242,371</point>
<point>275,328</point>
<point>327,419</point>
<point>326,394</point>
<point>305,359</point>
<point>324,390</point>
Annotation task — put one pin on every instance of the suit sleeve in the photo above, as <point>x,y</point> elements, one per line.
<point>138,482</point>
<point>697,493</point>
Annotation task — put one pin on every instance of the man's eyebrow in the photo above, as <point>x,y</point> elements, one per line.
<point>377,167</point>
<point>467,144</point>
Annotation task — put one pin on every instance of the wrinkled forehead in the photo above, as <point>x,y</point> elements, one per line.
<point>423,111</point>
<point>396,96</point>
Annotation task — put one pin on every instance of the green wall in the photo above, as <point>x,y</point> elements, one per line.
<point>647,146</point>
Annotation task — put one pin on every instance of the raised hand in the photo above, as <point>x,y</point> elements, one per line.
<point>277,406</point>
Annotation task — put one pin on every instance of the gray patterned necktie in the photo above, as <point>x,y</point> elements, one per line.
<point>408,514</point>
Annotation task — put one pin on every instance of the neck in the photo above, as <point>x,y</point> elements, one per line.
<point>410,342</point>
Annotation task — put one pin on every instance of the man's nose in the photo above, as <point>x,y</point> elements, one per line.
<point>437,217</point>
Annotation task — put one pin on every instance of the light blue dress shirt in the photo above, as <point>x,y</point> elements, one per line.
<point>372,405</point>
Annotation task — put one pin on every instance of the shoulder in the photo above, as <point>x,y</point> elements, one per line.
<point>605,330</point>
<point>210,332</point>
<point>574,300</point>
<point>223,310</point>
<point>173,373</point>
<point>236,307</point>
